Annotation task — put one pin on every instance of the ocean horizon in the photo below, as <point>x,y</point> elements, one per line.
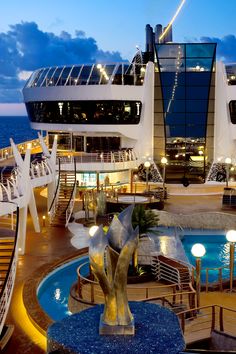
<point>15,127</point>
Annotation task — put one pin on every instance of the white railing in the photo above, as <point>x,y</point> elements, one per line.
<point>101,157</point>
<point>39,169</point>
<point>97,74</point>
<point>165,271</point>
<point>7,152</point>
<point>10,223</point>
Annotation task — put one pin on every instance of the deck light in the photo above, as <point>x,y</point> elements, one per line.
<point>198,251</point>
<point>93,230</point>
<point>164,162</point>
<point>231,237</point>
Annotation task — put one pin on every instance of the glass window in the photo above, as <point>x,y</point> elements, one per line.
<point>85,112</point>
<point>42,77</point>
<point>198,78</point>
<point>196,118</point>
<point>95,76</point>
<point>34,78</point>
<point>200,50</point>
<point>196,105</point>
<point>198,65</point>
<point>173,92</point>
<point>47,81</point>
<point>169,78</point>
<point>195,131</point>
<point>170,50</point>
<point>73,79</point>
<point>172,65</point>
<point>232,109</point>
<point>197,92</point>
<point>175,118</point>
<point>84,75</point>
<point>174,105</point>
<point>64,75</point>
<point>56,76</point>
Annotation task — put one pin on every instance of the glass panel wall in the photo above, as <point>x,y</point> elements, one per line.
<point>185,75</point>
<point>85,112</point>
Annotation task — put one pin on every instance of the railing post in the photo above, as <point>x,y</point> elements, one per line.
<point>79,288</point>
<point>146,293</point>
<point>220,279</point>
<point>92,292</point>
<point>213,315</point>
<point>207,280</point>
<point>221,319</point>
<point>183,322</point>
<point>174,295</point>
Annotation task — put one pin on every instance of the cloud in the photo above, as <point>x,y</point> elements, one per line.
<point>25,48</point>
<point>226,47</point>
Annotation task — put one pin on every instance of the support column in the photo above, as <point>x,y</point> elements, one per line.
<point>33,212</point>
<point>22,230</point>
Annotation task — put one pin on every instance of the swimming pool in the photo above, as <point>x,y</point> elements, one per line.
<point>53,291</point>
<point>217,252</point>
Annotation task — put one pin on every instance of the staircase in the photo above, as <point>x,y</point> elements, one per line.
<point>65,193</point>
<point>6,249</point>
<point>171,270</point>
<point>8,264</point>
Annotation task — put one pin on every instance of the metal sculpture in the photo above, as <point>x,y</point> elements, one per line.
<point>110,257</point>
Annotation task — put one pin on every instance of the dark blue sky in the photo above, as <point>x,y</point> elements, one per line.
<point>56,32</point>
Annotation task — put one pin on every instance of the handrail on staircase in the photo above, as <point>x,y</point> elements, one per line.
<point>57,187</point>
<point>70,203</point>
<point>74,186</point>
<point>7,288</point>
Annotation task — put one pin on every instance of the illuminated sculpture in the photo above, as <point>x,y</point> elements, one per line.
<point>110,257</point>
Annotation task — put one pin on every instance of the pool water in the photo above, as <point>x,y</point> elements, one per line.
<point>53,292</point>
<point>217,253</point>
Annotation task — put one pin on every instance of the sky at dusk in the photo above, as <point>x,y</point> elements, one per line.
<point>41,33</point>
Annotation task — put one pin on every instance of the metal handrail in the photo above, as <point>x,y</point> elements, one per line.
<point>198,312</point>
<point>71,202</point>
<point>57,187</point>
<point>101,157</point>
<point>8,285</point>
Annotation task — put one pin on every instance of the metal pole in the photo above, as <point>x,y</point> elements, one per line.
<point>147,170</point>
<point>164,177</point>
<point>198,280</point>
<point>227,175</point>
<point>231,265</point>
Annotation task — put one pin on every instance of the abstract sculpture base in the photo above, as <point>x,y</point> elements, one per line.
<point>106,330</point>
<point>157,331</point>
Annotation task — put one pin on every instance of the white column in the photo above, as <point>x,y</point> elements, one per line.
<point>22,230</point>
<point>33,212</point>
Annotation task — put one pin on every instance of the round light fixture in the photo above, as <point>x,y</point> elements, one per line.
<point>198,250</point>
<point>147,164</point>
<point>164,160</point>
<point>231,236</point>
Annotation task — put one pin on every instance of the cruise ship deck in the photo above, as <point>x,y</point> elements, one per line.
<point>53,244</point>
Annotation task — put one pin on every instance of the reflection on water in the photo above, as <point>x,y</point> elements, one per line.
<point>217,253</point>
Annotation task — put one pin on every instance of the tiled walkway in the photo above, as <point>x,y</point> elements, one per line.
<point>53,243</point>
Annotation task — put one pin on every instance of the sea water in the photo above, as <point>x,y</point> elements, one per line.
<point>18,128</point>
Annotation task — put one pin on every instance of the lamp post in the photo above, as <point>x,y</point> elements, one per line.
<point>198,251</point>
<point>147,165</point>
<point>231,237</point>
<point>164,162</point>
<point>228,162</point>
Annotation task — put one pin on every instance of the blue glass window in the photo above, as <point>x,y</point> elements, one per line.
<point>200,50</point>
